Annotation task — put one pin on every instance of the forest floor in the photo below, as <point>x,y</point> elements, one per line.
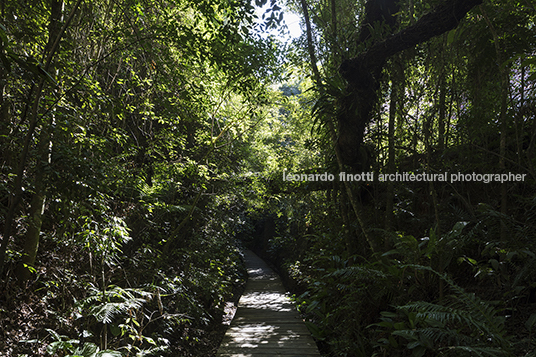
<point>23,314</point>
<point>26,315</point>
<point>31,313</point>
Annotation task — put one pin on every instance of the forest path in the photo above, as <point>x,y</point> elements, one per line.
<point>266,322</point>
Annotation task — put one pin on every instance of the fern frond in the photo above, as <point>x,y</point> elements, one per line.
<point>474,351</point>
<point>439,315</point>
<point>467,310</point>
<point>357,272</point>
<point>155,351</point>
<point>106,305</point>
<point>445,336</point>
<point>106,312</point>
<point>526,271</point>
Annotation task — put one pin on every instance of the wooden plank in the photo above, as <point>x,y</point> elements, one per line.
<point>267,348</point>
<point>266,322</point>
<point>260,354</point>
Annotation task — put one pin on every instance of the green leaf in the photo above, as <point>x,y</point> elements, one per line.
<point>47,76</point>
<point>393,342</point>
<point>405,334</point>
<point>316,331</point>
<point>457,229</point>
<point>385,324</point>
<point>54,334</point>
<point>149,340</point>
<point>53,347</point>
<point>413,344</point>
<point>400,326</point>
<point>115,330</point>
<point>530,322</point>
<point>88,350</point>
<point>529,61</point>
<point>451,36</point>
<point>389,314</point>
<point>418,352</point>
<point>108,353</point>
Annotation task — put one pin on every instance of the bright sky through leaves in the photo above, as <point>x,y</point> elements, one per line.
<point>290,19</point>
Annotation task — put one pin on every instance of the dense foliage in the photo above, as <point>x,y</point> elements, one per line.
<point>417,268</point>
<point>144,143</point>
<point>124,127</point>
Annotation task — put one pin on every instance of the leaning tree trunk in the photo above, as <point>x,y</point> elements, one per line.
<point>362,72</point>
<point>348,190</point>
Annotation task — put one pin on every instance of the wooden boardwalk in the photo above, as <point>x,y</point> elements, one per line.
<point>266,322</point>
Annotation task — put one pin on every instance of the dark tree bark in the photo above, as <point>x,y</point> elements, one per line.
<point>380,13</point>
<point>318,80</point>
<point>363,71</point>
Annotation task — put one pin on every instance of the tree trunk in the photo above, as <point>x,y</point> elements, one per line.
<point>37,205</point>
<point>56,33</point>
<point>442,110</point>
<point>397,87</point>
<point>504,82</point>
<point>318,81</point>
<point>31,243</point>
<point>363,72</point>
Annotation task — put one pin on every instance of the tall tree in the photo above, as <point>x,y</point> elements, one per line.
<point>363,72</point>
<point>126,100</point>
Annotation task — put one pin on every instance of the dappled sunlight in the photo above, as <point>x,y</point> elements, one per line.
<point>253,335</point>
<point>266,322</point>
<point>259,273</point>
<point>266,301</point>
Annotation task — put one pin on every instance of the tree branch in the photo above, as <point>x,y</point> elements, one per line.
<point>444,18</point>
<point>363,72</point>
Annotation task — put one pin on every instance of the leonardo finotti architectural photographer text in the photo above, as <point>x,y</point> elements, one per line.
<point>407,177</point>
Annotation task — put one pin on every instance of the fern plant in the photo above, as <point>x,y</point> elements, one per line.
<point>68,347</point>
<point>341,302</point>
<point>105,305</point>
<point>465,325</point>
<point>119,310</point>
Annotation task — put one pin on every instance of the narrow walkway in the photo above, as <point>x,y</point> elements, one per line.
<point>266,322</point>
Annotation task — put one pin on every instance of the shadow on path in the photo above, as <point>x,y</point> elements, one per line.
<point>266,322</point>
